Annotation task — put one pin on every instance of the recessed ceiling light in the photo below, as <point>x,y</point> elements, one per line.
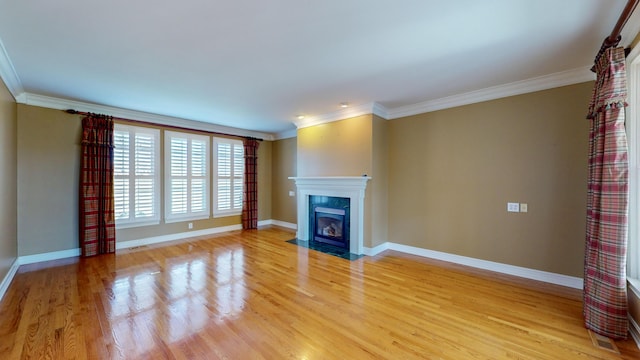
<point>344,105</point>
<point>300,117</point>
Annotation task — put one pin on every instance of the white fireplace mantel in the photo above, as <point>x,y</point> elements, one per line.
<point>352,187</point>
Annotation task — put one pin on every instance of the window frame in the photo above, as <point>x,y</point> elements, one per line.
<point>633,135</point>
<point>217,213</point>
<point>156,218</point>
<point>169,217</point>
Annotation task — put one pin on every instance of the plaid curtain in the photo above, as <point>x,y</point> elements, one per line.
<point>97,220</point>
<point>250,198</point>
<point>605,296</point>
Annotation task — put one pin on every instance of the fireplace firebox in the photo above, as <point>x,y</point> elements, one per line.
<point>329,218</point>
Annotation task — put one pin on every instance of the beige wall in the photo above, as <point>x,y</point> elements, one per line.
<point>48,168</point>
<point>379,184</point>
<point>48,180</point>
<point>284,166</point>
<point>351,147</point>
<point>340,148</point>
<point>8,185</point>
<point>265,166</point>
<point>453,171</point>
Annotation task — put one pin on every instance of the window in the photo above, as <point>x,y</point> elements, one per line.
<point>228,162</point>
<point>136,182</point>
<point>633,133</point>
<point>186,176</point>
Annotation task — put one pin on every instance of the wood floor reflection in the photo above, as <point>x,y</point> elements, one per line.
<point>251,295</point>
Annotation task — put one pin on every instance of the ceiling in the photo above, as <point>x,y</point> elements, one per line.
<point>256,65</point>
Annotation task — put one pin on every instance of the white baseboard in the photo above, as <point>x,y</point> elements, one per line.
<point>176,236</point>
<point>54,255</point>
<point>284,224</point>
<point>553,278</point>
<point>4,285</point>
<point>376,249</point>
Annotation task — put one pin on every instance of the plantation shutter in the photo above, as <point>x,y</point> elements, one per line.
<point>136,175</point>
<point>188,176</point>
<point>229,171</point>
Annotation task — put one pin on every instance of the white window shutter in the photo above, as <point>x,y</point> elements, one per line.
<point>187,161</point>
<point>228,178</point>
<point>136,175</point>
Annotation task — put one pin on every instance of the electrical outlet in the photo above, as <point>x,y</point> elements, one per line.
<point>190,226</point>
<point>524,207</point>
<point>513,207</point>
<point>292,193</point>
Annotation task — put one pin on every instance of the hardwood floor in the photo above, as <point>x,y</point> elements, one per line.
<point>251,295</point>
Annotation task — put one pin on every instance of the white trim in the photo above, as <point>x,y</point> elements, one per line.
<point>64,104</point>
<point>286,134</point>
<point>8,73</point>
<point>177,236</point>
<point>545,82</point>
<point>563,78</point>
<point>188,177</point>
<point>284,224</point>
<point>4,285</point>
<point>233,177</point>
<point>522,272</point>
<point>634,285</point>
<point>352,187</point>
<point>633,135</point>
<point>634,330</point>
<point>376,250</point>
<point>350,112</point>
<point>54,255</point>
<point>132,177</point>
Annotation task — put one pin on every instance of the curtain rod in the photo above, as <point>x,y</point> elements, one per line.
<point>614,38</point>
<point>140,122</point>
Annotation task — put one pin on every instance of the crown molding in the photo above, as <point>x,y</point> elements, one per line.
<point>64,104</point>
<point>350,112</point>
<point>8,73</point>
<point>545,82</point>
<point>286,134</point>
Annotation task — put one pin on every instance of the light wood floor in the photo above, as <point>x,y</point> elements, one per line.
<point>251,295</point>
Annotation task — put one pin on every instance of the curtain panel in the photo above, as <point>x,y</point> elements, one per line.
<point>605,297</point>
<point>250,196</point>
<point>97,220</point>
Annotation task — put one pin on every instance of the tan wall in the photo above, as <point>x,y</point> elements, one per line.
<point>339,148</point>
<point>265,165</point>
<point>453,171</point>
<point>283,206</point>
<point>48,180</point>
<point>351,147</point>
<point>49,143</point>
<point>8,185</point>
<point>379,184</point>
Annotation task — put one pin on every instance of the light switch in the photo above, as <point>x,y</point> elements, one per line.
<point>513,207</point>
<point>292,193</point>
<point>524,207</point>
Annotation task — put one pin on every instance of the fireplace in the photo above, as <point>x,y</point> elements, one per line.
<point>351,188</point>
<point>329,219</point>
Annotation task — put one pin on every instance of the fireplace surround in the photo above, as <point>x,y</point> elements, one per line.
<point>348,187</point>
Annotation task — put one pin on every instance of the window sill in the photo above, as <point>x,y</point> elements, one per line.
<point>634,285</point>
<point>227,214</point>
<point>185,219</point>
<point>128,225</point>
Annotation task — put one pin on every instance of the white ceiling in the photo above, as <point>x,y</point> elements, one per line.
<point>256,64</point>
